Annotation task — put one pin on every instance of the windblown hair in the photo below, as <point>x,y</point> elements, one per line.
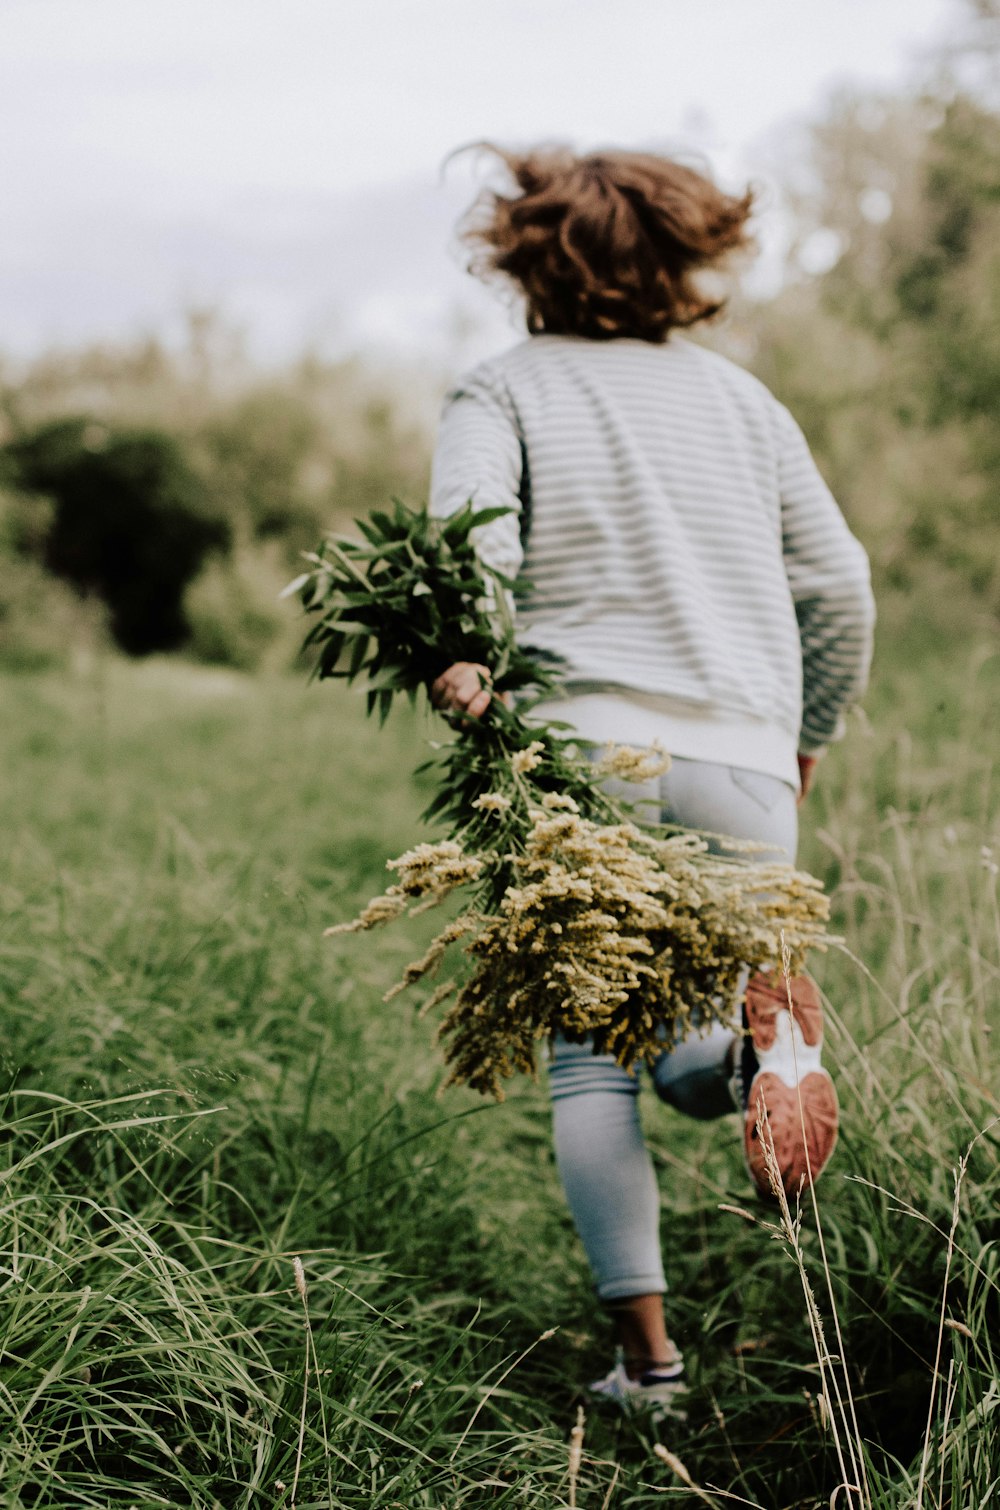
<point>608,244</point>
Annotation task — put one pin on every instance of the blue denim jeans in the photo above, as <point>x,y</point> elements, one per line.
<point>602,1158</point>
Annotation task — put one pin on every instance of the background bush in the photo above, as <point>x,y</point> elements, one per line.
<point>234,613</point>
<point>181,488</point>
<point>130,522</point>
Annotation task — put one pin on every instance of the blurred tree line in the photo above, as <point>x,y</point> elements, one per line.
<point>159,500</point>
<point>162,499</point>
<point>891,359</point>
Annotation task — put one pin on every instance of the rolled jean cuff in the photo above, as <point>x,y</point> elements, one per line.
<point>635,1284</point>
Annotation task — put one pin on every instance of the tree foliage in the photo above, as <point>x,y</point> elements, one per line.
<point>891,359</point>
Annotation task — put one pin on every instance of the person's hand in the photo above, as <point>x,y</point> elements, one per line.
<point>807,768</point>
<point>460,689</point>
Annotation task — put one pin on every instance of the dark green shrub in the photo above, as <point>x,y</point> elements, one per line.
<point>131,523</point>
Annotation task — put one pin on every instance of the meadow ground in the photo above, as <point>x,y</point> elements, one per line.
<point>199,1089</point>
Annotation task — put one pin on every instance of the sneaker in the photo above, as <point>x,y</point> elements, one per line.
<point>780,1072</point>
<point>656,1394</point>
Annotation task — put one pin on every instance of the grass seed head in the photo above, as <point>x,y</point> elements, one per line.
<point>300,1278</point>
<point>529,759</point>
<point>633,765</point>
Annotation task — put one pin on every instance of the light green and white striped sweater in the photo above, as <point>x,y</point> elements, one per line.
<point>681,553</point>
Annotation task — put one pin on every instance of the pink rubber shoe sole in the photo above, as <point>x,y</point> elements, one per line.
<point>790,1085</point>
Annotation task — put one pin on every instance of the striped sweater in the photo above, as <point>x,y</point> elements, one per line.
<point>678,548</point>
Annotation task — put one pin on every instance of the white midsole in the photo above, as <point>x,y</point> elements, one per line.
<point>789,1057</point>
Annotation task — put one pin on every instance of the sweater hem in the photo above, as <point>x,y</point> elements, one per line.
<point>685,730</point>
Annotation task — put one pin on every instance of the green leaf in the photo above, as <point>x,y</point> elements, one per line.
<point>392,680</point>
<point>358,651</point>
<point>369,531</point>
<point>382,522</point>
<point>296,585</point>
<point>487,516</point>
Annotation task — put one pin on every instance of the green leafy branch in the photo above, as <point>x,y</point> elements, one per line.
<point>394,610</point>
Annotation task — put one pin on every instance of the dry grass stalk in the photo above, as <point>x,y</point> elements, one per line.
<point>843,1422</point>
<point>943,1321</point>
<point>674,1463</point>
<point>575,1455</point>
<point>303,1294</point>
<point>544,1337</point>
<point>611,1487</point>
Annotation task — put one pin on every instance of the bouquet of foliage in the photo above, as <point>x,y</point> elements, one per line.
<point>576,920</point>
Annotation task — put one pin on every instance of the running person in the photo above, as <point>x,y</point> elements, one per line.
<point>684,559</point>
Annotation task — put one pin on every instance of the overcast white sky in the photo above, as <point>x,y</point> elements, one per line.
<point>280,158</point>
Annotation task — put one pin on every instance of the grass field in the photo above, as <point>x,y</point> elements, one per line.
<point>199,1089</point>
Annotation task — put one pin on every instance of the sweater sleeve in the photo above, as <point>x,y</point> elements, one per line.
<point>828,574</point>
<point>479,456</point>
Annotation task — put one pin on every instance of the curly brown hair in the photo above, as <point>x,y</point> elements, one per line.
<point>607,244</point>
